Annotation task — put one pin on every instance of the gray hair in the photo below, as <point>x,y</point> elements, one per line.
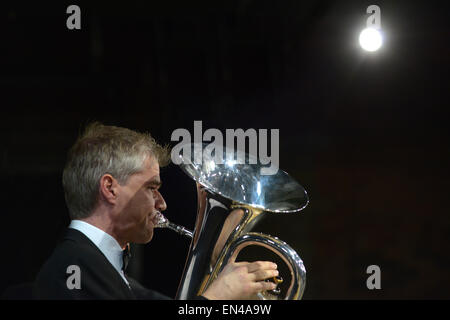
<point>100,150</point>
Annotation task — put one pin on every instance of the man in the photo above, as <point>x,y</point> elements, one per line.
<point>111,183</point>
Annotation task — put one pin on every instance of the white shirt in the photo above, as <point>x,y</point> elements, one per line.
<point>106,243</point>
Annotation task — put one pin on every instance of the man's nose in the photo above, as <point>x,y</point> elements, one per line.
<point>160,203</point>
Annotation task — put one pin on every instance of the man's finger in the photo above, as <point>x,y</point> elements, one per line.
<point>261,286</point>
<point>261,265</point>
<point>263,274</point>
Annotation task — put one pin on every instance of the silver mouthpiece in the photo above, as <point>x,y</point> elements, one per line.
<point>163,222</point>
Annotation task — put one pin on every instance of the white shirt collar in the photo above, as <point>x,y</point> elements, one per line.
<point>105,242</point>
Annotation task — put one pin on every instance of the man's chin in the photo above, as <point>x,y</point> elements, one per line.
<point>144,238</point>
<point>148,238</point>
<point>147,233</point>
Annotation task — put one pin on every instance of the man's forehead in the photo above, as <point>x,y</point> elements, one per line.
<point>151,163</point>
<point>151,170</point>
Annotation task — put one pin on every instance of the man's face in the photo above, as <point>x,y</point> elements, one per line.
<point>137,204</point>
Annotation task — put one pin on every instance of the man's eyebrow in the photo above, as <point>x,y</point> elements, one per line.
<point>154,182</point>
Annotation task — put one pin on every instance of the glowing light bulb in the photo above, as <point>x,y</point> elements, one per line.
<point>370,39</point>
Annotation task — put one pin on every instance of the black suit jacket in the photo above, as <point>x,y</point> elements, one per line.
<point>99,279</point>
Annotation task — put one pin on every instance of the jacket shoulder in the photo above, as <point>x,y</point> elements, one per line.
<point>77,270</point>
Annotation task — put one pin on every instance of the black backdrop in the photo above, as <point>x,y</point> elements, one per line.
<point>365,134</point>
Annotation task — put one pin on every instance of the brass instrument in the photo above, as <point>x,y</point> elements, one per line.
<point>232,198</point>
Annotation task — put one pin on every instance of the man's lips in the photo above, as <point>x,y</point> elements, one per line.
<point>154,218</point>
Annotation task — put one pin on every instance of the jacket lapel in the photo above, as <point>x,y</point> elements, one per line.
<point>118,281</point>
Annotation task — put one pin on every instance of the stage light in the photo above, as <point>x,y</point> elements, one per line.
<point>370,39</point>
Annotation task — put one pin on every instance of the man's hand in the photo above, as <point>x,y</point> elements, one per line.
<point>242,280</point>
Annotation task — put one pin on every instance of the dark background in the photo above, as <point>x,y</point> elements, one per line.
<point>364,133</point>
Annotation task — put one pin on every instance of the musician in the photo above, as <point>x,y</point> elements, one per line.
<point>111,184</point>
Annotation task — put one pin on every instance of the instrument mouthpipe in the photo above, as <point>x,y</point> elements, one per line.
<point>163,222</point>
<point>180,229</point>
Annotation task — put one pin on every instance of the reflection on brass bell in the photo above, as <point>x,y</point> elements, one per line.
<point>277,280</point>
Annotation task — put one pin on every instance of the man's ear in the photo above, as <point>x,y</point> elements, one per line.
<point>108,188</point>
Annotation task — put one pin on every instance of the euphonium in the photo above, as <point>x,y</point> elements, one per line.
<point>232,199</point>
